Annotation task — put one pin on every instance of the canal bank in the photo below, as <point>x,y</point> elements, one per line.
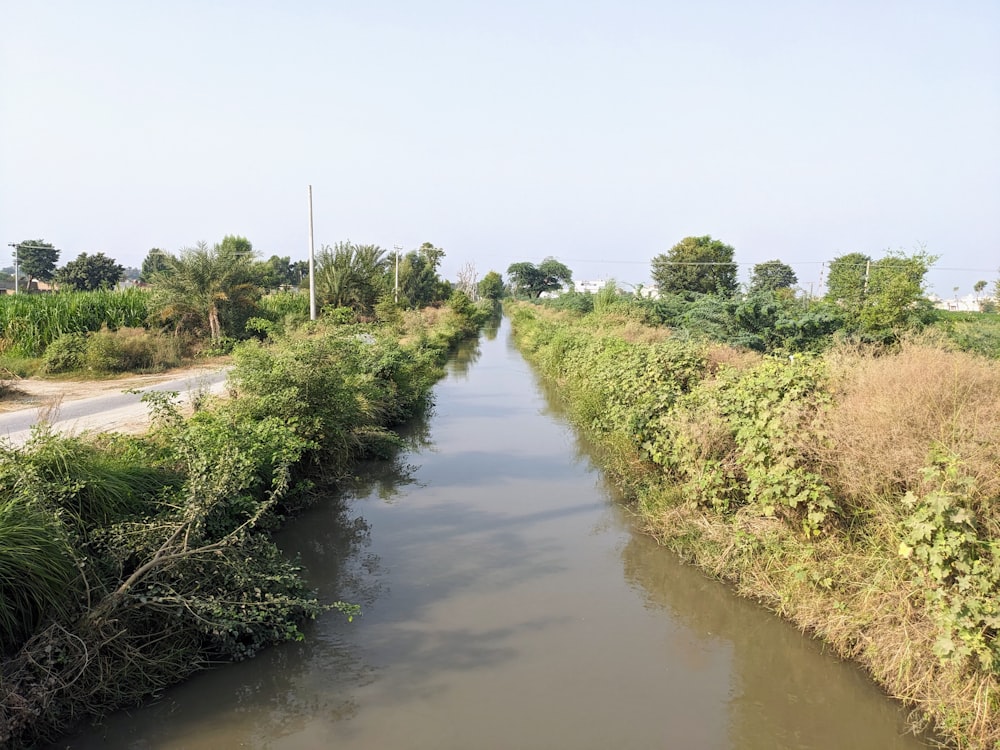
<point>509,602</point>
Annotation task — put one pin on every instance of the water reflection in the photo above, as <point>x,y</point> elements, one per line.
<point>464,357</point>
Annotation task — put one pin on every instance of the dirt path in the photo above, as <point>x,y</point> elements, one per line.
<point>76,406</point>
<point>34,393</point>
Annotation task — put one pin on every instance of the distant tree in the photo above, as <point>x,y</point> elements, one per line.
<point>234,246</point>
<point>90,272</point>
<point>468,281</point>
<point>132,273</point>
<point>771,276</point>
<point>547,276</point>
<point>37,259</point>
<point>696,265</point>
<point>978,288</point>
<point>491,286</point>
<point>276,272</point>
<point>845,284</point>
<point>300,272</point>
<point>419,283</point>
<point>154,262</point>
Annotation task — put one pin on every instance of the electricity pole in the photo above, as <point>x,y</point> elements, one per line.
<point>398,249</point>
<point>312,261</point>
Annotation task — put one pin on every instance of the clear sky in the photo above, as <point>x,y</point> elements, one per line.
<point>600,132</point>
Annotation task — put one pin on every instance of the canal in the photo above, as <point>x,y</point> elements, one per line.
<point>509,603</point>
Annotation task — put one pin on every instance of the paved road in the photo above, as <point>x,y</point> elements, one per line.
<point>107,413</point>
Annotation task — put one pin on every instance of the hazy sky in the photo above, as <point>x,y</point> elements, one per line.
<point>594,131</point>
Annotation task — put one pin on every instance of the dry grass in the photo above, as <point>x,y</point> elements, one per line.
<point>891,411</point>
<point>722,355</point>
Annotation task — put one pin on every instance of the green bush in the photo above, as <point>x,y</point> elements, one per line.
<point>68,353</point>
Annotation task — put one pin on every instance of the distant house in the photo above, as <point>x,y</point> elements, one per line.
<point>23,287</point>
<point>968,303</point>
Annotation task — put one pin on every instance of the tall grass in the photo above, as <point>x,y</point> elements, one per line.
<point>30,322</point>
<point>36,567</point>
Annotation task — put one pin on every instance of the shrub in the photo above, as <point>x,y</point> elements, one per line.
<point>131,350</point>
<point>67,353</point>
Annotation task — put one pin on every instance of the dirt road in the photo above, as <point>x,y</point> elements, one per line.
<point>74,406</point>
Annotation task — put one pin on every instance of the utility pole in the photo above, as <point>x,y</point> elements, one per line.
<point>312,261</point>
<point>868,268</point>
<point>398,249</point>
<point>16,248</point>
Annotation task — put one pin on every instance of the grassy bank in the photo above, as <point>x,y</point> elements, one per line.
<point>128,563</point>
<point>854,494</point>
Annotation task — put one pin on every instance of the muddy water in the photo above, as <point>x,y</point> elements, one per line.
<point>509,604</point>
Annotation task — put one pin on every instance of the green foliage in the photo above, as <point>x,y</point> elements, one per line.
<point>532,281</point>
<point>29,322</point>
<point>731,442</point>
<point>578,302</point>
<point>419,283</point>
<point>491,286</point>
<point>845,282</point>
<point>130,350</point>
<point>90,272</point>
<point>37,564</point>
<point>882,298</point>
<point>207,291</point>
<point>771,276</point>
<point>977,332</point>
<point>764,321</point>
<point>37,259</point>
<point>350,275</point>
<point>895,298</point>
<point>959,568</point>
<point>728,441</point>
<point>66,354</point>
<point>133,563</point>
<point>154,262</point>
<point>696,265</point>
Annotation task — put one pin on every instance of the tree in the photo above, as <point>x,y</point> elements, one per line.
<point>155,261</point>
<point>845,284</point>
<point>205,289</point>
<point>771,276</point>
<point>37,259</point>
<point>468,281</point>
<point>276,272</point>
<point>419,283</point>
<point>90,272</point>
<point>895,296</point>
<point>978,288</point>
<point>547,276</point>
<point>349,275</point>
<point>491,286</point>
<point>696,265</point>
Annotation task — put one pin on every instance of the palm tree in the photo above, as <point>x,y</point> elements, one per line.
<point>193,290</point>
<point>349,275</point>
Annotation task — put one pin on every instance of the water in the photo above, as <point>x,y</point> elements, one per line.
<point>508,603</point>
